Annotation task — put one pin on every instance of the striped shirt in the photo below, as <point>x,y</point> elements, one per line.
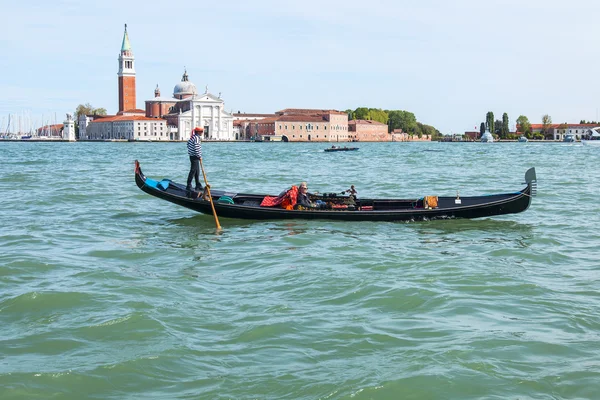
<point>194,146</point>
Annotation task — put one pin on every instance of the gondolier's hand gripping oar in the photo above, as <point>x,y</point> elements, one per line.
<point>210,197</point>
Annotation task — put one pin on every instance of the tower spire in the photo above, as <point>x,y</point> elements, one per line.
<point>126,46</point>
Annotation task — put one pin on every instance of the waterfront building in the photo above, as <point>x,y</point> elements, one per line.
<point>50,130</point>
<point>242,124</point>
<point>301,125</point>
<point>400,136</point>
<point>361,130</point>
<point>132,128</point>
<point>560,131</point>
<point>188,109</point>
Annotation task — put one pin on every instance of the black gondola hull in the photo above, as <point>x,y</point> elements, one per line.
<point>246,206</point>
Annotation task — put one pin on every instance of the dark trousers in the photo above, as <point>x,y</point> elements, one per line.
<point>194,172</point>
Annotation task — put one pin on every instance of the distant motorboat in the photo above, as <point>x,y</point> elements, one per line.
<point>523,139</point>
<point>337,148</point>
<point>592,138</point>
<point>487,137</point>
<point>569,139</point>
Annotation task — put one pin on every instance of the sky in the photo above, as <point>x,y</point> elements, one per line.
<point>448,62</point>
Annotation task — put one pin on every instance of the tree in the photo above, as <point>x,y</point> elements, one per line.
<point>377,114</point>
<point>361,113</point>
<point>489,121</point>
<point>505,130</point>
<point>399,119</point>
<point>546,122</point>
<point>497,127</point>
<point>87,109</point>
<point>481,129</point>
<point>429,130</point>
<point>524,125</point>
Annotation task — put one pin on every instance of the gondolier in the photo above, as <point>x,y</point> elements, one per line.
<point>194,147</point>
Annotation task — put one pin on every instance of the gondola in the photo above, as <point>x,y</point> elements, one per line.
<point>342,207</point>
<point>330,149</point>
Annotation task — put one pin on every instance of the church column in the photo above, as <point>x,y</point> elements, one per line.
<point>212,122</point>
<point>201,121</point>
<point>219,121</point>
<point>193,107</point>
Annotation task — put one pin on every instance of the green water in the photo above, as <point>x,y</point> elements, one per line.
<point>108,293</point>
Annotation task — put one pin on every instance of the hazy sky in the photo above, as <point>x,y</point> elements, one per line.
<point>448,62</point>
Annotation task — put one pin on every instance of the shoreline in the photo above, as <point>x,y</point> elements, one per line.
<point>42,140</point>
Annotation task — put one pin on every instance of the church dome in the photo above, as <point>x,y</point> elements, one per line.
<point>184,88</point>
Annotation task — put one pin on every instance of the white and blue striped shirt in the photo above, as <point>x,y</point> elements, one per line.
<point>194,146</point>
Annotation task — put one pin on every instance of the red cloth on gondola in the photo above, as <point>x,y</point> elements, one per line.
<point>286,200</point>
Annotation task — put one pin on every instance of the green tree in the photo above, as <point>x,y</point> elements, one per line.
<point>497,127</point>
<point>489,121</point>
<point>87,109</point>
<point>481,129</point>
<point>361,113</point>
<point>546,122</point>
<point>377,114</point>
<point>505,130</point>
<point>524,125</point>
<point>350,114</point>
<point>399,119</point>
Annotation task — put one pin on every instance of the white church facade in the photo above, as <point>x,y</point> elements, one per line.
<point>188,109</point>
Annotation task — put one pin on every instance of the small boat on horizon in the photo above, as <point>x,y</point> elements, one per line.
<point>592,138</point>
<point>339,148</point>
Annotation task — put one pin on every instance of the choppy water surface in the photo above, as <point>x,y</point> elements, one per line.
<point>106,292</point>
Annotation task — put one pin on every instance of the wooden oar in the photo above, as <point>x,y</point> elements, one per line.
<point>210,197</point>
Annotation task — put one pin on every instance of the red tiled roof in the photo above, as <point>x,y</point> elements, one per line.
<point>244,115</point>
<point>301,118</point>
<point>116,118</point>
<point>555,126</point>
<point>296,111</point>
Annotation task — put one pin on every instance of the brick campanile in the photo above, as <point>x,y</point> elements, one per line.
<point>126,75</point>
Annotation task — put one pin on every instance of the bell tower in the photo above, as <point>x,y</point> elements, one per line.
<point>126,76</point>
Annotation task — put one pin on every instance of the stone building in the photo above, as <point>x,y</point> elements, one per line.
<point>131,128</point>
<point>301,125</point>
<point>361,130</point>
